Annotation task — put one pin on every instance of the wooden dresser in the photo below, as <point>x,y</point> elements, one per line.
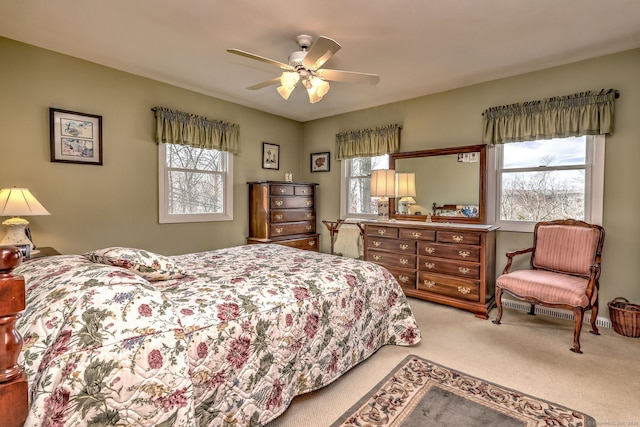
<point>451,264</point>
<point>283,213</point>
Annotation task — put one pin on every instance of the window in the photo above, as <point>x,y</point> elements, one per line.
<point>547,180</point>
<point>356,200</point>
<point>195,184</point>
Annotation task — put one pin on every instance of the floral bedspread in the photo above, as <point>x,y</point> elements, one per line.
<point>230,344</point>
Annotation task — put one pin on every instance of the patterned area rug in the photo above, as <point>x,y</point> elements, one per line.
<point>421,393</point>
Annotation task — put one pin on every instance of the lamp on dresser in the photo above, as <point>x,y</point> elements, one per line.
<point>383,186</point>
<point>18,202</point>
<point>405,191</point>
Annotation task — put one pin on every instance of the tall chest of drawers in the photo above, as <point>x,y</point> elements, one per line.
<point>448,264</point>
<point>283,213</point>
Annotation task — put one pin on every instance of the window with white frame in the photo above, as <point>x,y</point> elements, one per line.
<point>195,184</point>
<point>546,180</point>
<point>356,200</point>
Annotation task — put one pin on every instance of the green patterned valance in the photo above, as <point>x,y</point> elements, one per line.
<point>177,127</point>
<point>584,113</point>
<point>368,142</point>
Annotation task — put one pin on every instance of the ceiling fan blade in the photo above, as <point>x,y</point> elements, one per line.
<point>261,58</point>
<point>348,76</point>
<point>320,52</point>
<point>257,86</point>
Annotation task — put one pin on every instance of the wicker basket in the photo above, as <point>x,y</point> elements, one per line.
<point>625,317</point>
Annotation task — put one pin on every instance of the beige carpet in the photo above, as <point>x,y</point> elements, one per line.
<point>526,353</point>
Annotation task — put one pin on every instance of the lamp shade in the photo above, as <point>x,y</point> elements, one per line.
<point>20,202</point>
<point>383,183</point>
<point>405,185</point>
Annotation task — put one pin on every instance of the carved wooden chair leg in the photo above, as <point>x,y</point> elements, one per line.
<point>499,305</point>
<point>594,317</point>
<point>532,309</point>
<point>578,314</point>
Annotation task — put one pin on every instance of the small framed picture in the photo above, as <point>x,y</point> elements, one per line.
<point>270,156</point>
<point>75,137</point>
<point>320,162</point>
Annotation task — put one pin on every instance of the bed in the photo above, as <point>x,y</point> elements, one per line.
<point>123,336</point>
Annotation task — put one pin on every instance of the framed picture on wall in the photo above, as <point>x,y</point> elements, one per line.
<point>320,162</point>
<point>270,156</point>
<point>75,137</point>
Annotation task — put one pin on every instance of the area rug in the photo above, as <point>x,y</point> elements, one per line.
<point>422,393</point>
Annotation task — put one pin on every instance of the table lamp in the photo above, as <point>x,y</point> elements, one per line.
<point>17,202</point>
<point>383,185</point>
<point>405,190</point>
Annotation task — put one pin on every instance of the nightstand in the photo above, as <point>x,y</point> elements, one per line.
<point>43,252</point>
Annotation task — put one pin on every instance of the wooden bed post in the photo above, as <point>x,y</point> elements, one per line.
<point>14,399</point>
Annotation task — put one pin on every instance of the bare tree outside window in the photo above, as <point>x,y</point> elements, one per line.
<point>359,200</point>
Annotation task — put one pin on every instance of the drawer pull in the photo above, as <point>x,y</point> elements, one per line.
<point>308,227</point>
<point>458,239</point>
<point>382,231</point>
<point>416,234</point>
<point>278,203</point>
<point>404,261</point>
<point>403,278</point>
<point>429,265</point>
<point>279,216</point>
<point>429,283</point>
<point>312,242</point>
<point>305,191</point>
<point>283,190</point>
<point>429,250</point>
<point>376,243</point>
<point>464,254</point>
<point>309,203</point>
<point>308,215</point>
<point>376,257</point>
<point>404,247</point>
<point>279,230</point>
<point>464,290</point>
<point>463,270</point>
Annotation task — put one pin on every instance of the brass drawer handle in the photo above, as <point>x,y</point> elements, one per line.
<point>404,247</point>
<point>279,216</point>
<point>376,257</point>
<point>429,250</point>
<point>278,203</point>
<point>305,191</point>
<point>309,228</point>
<point>403,278</point>
<point>309,203</point>
<point>312,242</point>
<point>376,243</point>
<point>404,261</point>
<point>308,215</point>
<point>279,230</point>
<point>416,234</point>
<point>429,283</point>
<point>463,270</point>
<point>458,239</point>
<point>464,290</point>
<point>464,254</point>
<point>283,190</point>
<point>382,231</point>
<point>429,265</point>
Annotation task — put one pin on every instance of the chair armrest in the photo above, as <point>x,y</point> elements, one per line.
<point>511,254</point>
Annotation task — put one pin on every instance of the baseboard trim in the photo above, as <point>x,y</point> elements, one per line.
<point>601,322</point>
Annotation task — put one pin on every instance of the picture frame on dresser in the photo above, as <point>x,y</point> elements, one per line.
<point>75,137</point>
<point>320,162</point>
<point>270,156</point>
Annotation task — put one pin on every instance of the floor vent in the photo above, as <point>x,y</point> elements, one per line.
<point>601,322</point>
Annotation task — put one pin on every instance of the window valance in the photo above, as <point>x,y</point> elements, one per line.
<point>177,127</point>
<point>368,142</point>
<point>584,113</point>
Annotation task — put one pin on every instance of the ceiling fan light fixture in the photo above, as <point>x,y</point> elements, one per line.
<point>289,79</point>
<point>285,92</point>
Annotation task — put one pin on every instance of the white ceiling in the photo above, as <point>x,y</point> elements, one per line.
<point>418,47</point>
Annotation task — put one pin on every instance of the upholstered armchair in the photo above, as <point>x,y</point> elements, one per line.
<point>564,271</point>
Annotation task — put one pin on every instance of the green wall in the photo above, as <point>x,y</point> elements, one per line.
<point>116,204</point>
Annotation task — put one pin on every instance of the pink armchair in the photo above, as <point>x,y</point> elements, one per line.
<point>564,272</point>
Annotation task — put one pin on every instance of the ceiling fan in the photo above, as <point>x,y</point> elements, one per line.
<point>305,65</point>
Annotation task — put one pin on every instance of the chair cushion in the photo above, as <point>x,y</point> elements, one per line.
<point>566,248</point>
<point>547,287</point>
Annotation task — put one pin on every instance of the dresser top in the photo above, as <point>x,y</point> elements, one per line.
<point>421,224</point>
<point>282,182</point>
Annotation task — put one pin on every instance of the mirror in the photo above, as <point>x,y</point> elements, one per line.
<point>449,184</point>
